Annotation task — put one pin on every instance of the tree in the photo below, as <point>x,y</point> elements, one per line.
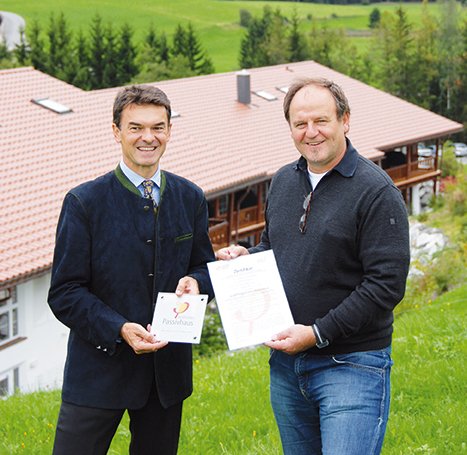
<point>403,52</point>
<point>193,49</point>
<point>4,52</point>
<point>253,47</point>
<point>164,49</point>
<point>21,52</point>
<point>126,55</point>
<point>463,80</point>
<point>179,42</point>
<point>159,71</point>
<point>394,55</point>
<point>38,55</point>
<point>275,45</point>
<point>151,38</point>
<point>78,73</point>
<point>245,17</point>
<point>321,40</point>
<point>207,67</point>
<point>426,62</point>
<point>96,54</point>
<point>375,18</point>
<point>6,60</point>
<point>186,44</point>
<point>298,47</point>
<point>59,46</point>
<point>111,64</point>
<point>450,51</point>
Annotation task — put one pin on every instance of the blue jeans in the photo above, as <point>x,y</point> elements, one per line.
<point>331,405</point>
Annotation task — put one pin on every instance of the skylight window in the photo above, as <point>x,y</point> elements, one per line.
<point>265,95</point>
<point>52,105</point>
<point>284,89</point>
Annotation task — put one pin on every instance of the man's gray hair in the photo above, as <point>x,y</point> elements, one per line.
<point>342,104</point>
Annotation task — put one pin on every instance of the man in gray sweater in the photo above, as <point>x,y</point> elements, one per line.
<point>339,231</point>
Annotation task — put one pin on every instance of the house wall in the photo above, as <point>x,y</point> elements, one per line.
<point>41,355</point>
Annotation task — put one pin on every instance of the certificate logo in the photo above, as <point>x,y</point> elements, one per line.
<point>181,308</point>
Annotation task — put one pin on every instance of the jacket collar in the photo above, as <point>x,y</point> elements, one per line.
<point>125,181</point>
<point>346,166</point>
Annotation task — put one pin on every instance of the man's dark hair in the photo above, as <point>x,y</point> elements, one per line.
<point>342,105</point>
<point>140,95</point>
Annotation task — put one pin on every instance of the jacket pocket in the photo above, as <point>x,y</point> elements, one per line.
<point>183,237</point>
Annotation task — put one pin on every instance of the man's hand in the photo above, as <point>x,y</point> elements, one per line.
<point>140,339</point>
<point>187,285</point>
<point>230,252</point>
<point>293,340</point>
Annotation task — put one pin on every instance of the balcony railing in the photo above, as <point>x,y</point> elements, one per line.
<point>218,233</point>
<point>416,169</point>
<point>250,221</point>
<point>245,217</point>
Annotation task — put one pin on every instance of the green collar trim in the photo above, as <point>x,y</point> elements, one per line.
<point>163,183</point>
<point>123,179</point>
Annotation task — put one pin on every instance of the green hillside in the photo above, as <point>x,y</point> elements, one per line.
<point>216,21</point>
<point>229,412</point>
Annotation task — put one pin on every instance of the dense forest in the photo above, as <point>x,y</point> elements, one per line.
<point>425,65</point>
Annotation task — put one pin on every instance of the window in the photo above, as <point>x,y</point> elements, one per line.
<point>8,316</point>
<point>52,105</point>
<point>265,95</point>
<point>264,194</point>
<point>223,204</point>
<point>9,382</point>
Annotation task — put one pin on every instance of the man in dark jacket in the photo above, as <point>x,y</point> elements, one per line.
<point>121,239</point>
<point>339,231</point>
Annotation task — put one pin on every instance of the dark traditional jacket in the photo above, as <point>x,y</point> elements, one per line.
<point>113,255</point>
<point>348,271</point>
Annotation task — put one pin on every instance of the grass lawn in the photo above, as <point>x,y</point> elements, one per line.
<point>229,413</point>
<point>216,21</point>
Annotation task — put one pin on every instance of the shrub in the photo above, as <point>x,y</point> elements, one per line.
<point>213,337</point>
<point>449,163</point>
<point>245,17</point>
<point>375,18</point>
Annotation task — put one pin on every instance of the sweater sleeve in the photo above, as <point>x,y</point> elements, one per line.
<point>264,243</point>
<point>384,251</point>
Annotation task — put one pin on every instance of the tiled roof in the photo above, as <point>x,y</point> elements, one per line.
<point>216,142</point>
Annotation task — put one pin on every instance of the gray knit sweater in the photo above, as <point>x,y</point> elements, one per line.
<point>347,272</point>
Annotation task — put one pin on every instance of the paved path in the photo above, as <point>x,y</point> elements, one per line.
<point>10,28</point>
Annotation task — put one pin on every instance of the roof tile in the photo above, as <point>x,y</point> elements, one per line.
<point>216,142</point>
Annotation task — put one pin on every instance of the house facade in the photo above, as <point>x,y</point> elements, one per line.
<point>228,135</point>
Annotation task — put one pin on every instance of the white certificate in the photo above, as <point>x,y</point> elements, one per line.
<point>251,299</point>
<point>179,319</point>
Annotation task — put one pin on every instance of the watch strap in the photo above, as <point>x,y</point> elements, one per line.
<point>320,341</point>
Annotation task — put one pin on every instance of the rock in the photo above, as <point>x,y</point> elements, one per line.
<point>425,241</point>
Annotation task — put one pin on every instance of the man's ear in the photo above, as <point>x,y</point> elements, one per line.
<point>116,131</point>
<point>169,131</point>
<point>346,120</point>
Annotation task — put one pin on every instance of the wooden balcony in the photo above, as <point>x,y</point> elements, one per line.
<point>244,223</point>
<point>218,233</point>
<point>422,170</point>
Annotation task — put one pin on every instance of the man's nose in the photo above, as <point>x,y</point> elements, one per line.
<point>311,129</point>
<point>147,135</point>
